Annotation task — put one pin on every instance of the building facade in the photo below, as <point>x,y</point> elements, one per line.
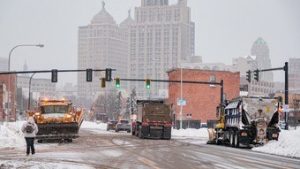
<point>43,86</point>
<point>294,75</point>
<point>261,50</point>
<point>39,88</point>
<point>244,64</point>
<point>201,99</point>
<point>101,44</point>
<point>161,37</point>
<point>8,97</point>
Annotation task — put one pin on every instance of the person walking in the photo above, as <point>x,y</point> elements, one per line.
<point>30,129</point>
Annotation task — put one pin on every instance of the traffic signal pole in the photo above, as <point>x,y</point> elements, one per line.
<point>286,86</point>
<point>286,92</point>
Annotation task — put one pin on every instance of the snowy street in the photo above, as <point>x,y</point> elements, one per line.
<point>97,148</point>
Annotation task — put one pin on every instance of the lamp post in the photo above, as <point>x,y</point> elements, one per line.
<point>29,98</point>
<point>156,61</point>
<point>180,98</point>
<point>9,78</point>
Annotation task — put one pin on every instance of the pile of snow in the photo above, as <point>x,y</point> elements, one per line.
<point>287,144</point>
<point>191,136</point>
<point>93,125</point>
<point>190,133</point>
<point>11,135</point>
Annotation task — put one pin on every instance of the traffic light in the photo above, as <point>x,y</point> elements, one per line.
<point>148,83</point>
<point>248,76</point>
<point>118,83</point>
<point>108,74</point>
<point>256,75</point>
<point>103,82</point>
<point>89,75</point>
<point>54,75</point>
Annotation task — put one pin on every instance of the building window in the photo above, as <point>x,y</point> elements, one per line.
<point>212,78</point>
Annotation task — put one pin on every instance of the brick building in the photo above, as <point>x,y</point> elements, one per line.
<point>201,99</point>
<point>4,88</point>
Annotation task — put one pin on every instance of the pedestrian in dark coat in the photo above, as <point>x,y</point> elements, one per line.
<point>29,130</point>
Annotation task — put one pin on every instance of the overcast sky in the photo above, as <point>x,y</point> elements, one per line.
<point>224,29</point>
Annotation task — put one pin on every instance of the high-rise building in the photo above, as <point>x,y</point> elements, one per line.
<point>294,75</point>
<point>261,50</point>
<point>243,64</point>
<point>161,37</point>
<point>101,44</point>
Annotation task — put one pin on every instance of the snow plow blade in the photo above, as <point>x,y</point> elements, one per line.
<point>57,131</point>
<point>211,136</point>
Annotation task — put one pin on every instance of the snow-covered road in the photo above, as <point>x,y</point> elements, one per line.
<point>98,148</point>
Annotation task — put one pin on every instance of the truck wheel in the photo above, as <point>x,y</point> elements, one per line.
<point>141,134</point>
<point>231,138</point>
<point>237,140</point>
<point>136,131</point>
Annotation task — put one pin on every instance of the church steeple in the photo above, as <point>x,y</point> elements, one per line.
<point>25,67</point>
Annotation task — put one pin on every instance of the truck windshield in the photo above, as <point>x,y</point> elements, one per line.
<point>54,109</point>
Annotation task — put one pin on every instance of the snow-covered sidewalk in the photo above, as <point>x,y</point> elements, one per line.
<point>287,144</point>
<point>11,135</point>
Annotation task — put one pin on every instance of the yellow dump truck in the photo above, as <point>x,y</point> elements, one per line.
<point>57,119</point>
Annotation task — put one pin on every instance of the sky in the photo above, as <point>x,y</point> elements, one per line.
<point>224,30</point>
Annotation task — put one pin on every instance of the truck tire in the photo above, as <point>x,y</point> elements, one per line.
<point>136,131</point>
<point>231,138</point>
<point>237,139</point>
<point>141,134</point>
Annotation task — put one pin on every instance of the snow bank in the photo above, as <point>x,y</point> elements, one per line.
<point>191,136</point>
<point>190,133</point>
<point>287,145</point>
<point>11,135</point>
<point>93,125</point>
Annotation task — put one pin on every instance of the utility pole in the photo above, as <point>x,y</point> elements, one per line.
<point>180,98</point>
<point>286,92</point>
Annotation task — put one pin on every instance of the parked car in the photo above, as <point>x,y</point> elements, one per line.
<point>123,125</point>
<point>111,125</point>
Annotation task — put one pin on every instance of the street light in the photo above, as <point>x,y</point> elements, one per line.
<point>180,97</point>
<point>9,78</point>
<point>29,91</point>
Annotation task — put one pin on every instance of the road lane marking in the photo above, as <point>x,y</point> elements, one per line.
<point>150,163</point>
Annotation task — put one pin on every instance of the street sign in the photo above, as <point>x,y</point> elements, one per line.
<point>286,108</point>
<point>181,102</point>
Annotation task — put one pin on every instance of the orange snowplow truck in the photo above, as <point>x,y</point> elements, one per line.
<point>57,119</point>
